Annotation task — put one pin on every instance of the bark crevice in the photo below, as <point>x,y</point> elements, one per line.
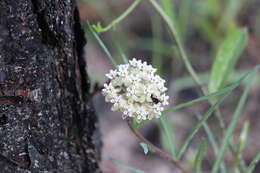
<point>46,117</point>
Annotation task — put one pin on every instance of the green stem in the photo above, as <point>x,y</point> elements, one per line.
<point>121,17</point>
<point>102,45</point>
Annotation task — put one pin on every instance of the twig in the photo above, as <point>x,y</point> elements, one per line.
<point>157,150</point>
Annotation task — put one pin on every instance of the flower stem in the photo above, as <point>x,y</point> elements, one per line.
<point>157,150</point>
<point>121,17</point>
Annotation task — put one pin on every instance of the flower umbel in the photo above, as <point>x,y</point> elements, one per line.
<point>136,90</point>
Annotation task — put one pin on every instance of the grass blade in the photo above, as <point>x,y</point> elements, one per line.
<point>102,45</point>
<point>169,141</point>
<point>232,126</point>
<point>220,92</point>
<point>212,142</point>
<point>198,125</point>
<point>126,166</point>
<point>252,165</point>
<point>199,156</point>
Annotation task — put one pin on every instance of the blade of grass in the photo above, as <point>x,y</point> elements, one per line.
<point>232,125</point>
<point>164,126</point>
<point>241,144</point>
<point>196,128</point>
<point>147,44</point>
<point>126,166</point>
<point>157,34</point>
<point>101,44</point>
<point>167,129</point>
<point>207,30</point>
<point>121,53</point>
<point>169,9</point>
<point>187,82</point>
<point>232,8</point>
<point>203,98</point>
<point>252,165</point>
<point>199,156</point>
<point>212,142</point>
<point>220,92</point>
<point>209,112</point>
<point>184,18</point>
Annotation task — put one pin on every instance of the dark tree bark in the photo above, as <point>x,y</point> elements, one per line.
<point>46,120</point>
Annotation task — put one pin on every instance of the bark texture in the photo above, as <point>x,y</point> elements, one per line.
<point>46,120</point>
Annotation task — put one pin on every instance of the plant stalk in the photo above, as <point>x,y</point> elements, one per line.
<point>157,150</point>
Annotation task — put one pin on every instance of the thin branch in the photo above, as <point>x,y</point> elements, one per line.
<point>157,150</point>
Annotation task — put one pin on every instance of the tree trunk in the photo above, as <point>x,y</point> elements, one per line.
<point>46,120</point>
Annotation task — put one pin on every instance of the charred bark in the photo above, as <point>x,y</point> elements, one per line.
<point>46,120</point>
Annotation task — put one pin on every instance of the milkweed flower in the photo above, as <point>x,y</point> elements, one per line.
<point>136,91</point>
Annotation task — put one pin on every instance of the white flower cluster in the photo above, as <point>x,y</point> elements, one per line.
<point>136,91</point>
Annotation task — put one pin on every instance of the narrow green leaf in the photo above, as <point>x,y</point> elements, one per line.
<point>88,27</point>
<point>199,156</point>
<point>203,98</point>
<point>241,144</point>
<point>252,165</point>
<point>232,125</point>
<point>222,91</point>
<point>123,56</point>
<point>166,128</point>
<point>126,166</point>
<point>145,147</point>
<point>196,128</point>
<point>226,58</point>
<point>169,9</point>
<point>185,17</point>
<point>231,10</point>
<point>212,142</point>
<point>157,59</point>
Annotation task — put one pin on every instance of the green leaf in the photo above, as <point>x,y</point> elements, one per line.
<point>232,125</point>
<point>212,142</point>
<point>241,144</point>
<point>169,8</point>
<point>196,128</point>
<point>199,156</point>
<point>203,98</point>
<point>145,147</point>
<point>89,28</point>
<point>221,92</point>
<point>97,27</point>
<point>126,166</point>
<point>231,10</point>
<point>167,133</point>
<point>226,58</point>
